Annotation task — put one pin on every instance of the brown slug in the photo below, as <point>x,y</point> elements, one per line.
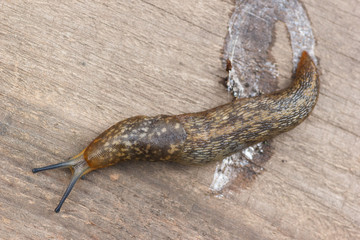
<point>200,137</point>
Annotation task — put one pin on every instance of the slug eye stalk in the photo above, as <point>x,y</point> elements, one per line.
<point>77,165</point>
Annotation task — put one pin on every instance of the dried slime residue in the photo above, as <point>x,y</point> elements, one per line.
<point>247,46</point>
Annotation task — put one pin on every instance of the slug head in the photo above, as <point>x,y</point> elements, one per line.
<point>136,138</point>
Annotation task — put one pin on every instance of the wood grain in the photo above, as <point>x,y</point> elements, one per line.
<point>70,70</point>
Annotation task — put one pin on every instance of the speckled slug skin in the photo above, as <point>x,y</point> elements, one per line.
<point>209,135</point>
<point>196,138</point>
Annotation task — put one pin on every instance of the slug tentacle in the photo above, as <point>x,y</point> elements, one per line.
<point>201,137</point>
<point>78,166</point>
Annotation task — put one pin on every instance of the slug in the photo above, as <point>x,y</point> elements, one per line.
<point>201,137</point>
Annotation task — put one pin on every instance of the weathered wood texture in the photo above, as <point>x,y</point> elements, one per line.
<point>70,69</point>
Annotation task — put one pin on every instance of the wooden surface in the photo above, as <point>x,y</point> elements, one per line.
<point>70,70</point>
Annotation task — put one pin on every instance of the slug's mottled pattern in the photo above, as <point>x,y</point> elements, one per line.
<point>204,136</point>
<point>224,130</point>
<point>137,138</point>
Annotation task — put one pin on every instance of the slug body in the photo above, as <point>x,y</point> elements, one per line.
<point>196,138</point>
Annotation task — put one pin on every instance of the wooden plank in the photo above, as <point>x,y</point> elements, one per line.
<point>70,70</point>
